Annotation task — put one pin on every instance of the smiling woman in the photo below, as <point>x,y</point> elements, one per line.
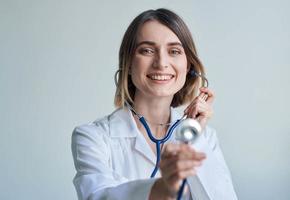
<point>115,157</point>
<point>140,38</point>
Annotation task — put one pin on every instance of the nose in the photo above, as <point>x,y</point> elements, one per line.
<point>161,60</point>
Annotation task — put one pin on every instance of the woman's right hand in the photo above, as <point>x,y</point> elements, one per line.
<point>178,161</point>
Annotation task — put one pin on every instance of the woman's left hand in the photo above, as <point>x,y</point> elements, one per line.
<point>201,107</point>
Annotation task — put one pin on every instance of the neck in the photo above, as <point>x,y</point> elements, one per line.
<point>155,111</point>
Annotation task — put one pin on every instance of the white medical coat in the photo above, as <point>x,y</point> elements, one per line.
<point>114,162</point>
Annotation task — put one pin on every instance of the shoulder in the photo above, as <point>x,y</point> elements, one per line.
<point>91,129</point>
<point>90,135</point>
<point>105,127</point>
<point>95,129</point>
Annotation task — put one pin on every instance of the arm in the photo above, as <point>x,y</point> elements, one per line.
<point>213,142</point>
<point>214,175</point>
<point>178,161</point>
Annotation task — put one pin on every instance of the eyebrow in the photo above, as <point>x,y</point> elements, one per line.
<point>154,44</point>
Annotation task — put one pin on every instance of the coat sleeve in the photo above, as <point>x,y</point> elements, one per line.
<point>95,179</point>
<point>213,142</point>
<point>214,174</point>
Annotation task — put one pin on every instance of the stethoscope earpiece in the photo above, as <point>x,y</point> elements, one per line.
<point>193,73</point>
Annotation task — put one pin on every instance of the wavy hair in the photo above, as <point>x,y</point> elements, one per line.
<point>125,90</point>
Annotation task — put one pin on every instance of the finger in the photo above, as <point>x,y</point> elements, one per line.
<point>169,150</point>
<point>203,96</point>
<point>184,154</point>
<point>182,165</point>
<point>193,107</point>
<point>189,106</point>
<point>189,155</point>
<point>199,156</point>
<point>204,92</point>
<point>201,108</point>
<point>198,107</point>
<point>187,152</point>
<point>193,111</point>
<point>204,111</point>
<point>207,90</point>
<point>210,94</point>
<point>175,150</point>
<point>175,166</point>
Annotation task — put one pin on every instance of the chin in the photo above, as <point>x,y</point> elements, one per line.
<point>163,94</point>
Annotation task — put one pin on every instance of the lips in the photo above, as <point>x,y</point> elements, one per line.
<point>160,77</point>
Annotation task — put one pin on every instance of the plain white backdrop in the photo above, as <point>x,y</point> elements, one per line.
<point>58,58</point>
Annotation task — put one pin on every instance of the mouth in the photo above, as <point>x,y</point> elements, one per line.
<point>160,77</point>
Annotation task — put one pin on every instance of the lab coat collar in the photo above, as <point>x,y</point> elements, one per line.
<point>122,119</point>
<point>209,176</point>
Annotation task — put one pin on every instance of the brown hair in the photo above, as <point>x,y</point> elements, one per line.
<point>125,88</point>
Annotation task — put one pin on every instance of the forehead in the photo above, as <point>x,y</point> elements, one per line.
<point>156,32</point>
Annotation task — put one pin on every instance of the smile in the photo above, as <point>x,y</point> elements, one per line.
<point>160,77</point>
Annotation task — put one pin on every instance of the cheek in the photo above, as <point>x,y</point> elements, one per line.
<point>137,70</point>
<point>140,65</point>
<point>183,68</point>
<point>183,78</point>
<point>182,72</point>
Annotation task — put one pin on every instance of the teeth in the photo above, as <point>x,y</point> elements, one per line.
<point>160,77</point>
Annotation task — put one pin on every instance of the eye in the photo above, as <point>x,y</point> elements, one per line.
<point>146,51</point>
<point>175,52</point>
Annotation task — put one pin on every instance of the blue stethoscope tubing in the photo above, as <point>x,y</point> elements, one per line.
<point>158,142</point>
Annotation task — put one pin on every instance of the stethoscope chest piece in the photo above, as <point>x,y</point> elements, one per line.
<point>187,130</point>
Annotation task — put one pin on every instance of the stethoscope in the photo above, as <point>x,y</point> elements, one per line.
<point>187,131</point>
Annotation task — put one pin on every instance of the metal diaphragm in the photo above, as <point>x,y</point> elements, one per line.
<point>188,130</point>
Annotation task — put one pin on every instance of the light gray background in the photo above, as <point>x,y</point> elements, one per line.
<point>57,60</point>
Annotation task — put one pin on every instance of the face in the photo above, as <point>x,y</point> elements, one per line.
<point>159,65</point>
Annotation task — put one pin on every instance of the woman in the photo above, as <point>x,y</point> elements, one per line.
<point>114,157</point>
